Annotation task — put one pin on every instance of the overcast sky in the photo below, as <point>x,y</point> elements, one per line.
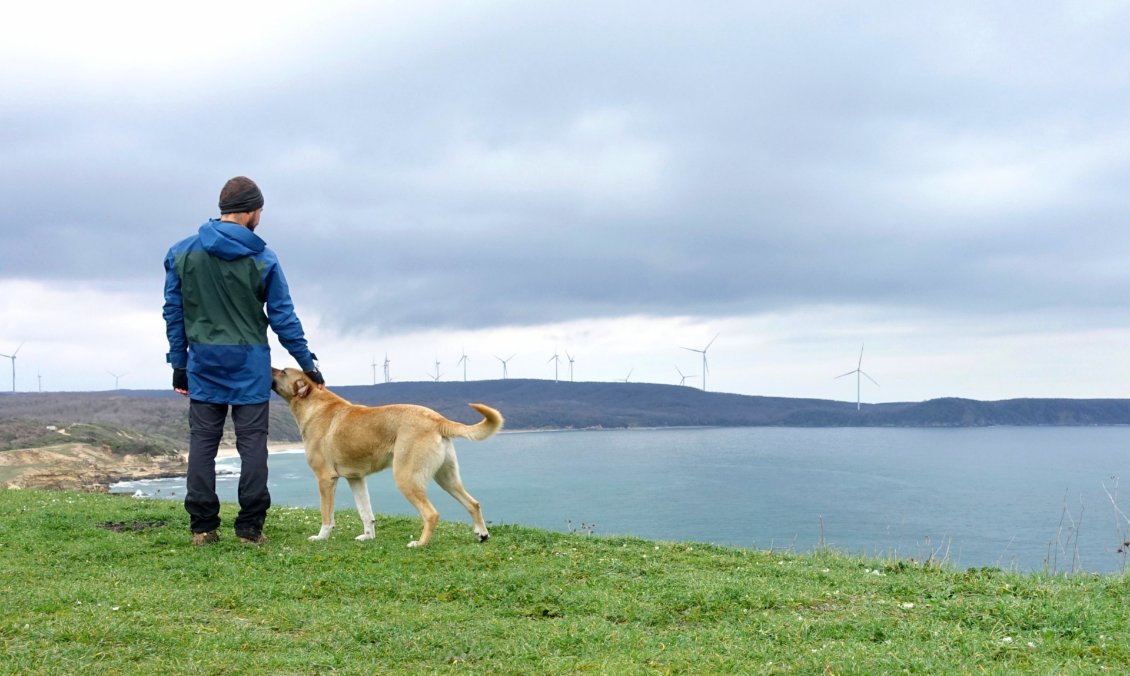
<point>945,184</point>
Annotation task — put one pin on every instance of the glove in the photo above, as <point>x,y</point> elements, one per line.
<point>180,379</point>
<point>314,374</point>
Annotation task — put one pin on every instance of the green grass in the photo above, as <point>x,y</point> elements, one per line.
<point>82,598</point>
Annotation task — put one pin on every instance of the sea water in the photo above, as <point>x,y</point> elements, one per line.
<point>1024,498</point>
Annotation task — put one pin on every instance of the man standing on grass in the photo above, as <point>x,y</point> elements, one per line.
<point>223,288</point>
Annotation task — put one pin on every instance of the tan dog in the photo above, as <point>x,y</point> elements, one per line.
<point>352,441</point>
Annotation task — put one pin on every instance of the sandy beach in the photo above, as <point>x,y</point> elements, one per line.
<point>272,447</point>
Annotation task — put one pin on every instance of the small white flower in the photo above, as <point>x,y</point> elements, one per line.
<point>1006,639</point>
<point>908,605</point>
<point>1031,644</point>
<point>115,608</point>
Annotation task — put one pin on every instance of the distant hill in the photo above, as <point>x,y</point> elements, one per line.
<point>19,434</point>
<point>158,414</point>
<point>543,404</point>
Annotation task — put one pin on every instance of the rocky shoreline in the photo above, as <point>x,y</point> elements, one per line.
<point>92,469</point>
<point>83,467</point>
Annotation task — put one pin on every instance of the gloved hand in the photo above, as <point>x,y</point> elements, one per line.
<point>180,380</point>
<point>314,374</point>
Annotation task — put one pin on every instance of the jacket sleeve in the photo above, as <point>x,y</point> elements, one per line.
<point>280,313</point>
<point>177,356</point>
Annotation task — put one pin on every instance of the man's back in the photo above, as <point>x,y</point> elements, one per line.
<point>220,280</point>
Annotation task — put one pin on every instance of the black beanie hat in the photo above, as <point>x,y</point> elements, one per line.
<point>248,200</point>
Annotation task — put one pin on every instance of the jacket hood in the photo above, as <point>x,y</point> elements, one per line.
<point>229,241</point>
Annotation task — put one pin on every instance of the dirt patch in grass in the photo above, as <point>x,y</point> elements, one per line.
<point>130,526</point>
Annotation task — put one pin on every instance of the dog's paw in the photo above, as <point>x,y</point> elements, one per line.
<point>413,544</point>
<point>483,537</point>
<point>322,534</point>
<point>364,536</point>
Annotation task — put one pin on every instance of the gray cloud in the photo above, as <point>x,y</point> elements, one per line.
<point>546,162</point>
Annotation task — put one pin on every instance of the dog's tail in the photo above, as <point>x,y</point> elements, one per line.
<point>492,422</point>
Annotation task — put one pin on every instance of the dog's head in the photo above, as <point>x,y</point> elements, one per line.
<point>291,384</point>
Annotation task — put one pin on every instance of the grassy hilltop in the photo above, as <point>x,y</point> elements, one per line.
<point>104,584</point>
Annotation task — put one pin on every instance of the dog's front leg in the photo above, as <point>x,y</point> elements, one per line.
<point>326,488</point>
<point>364,508</point>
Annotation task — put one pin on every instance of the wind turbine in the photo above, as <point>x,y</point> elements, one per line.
<point>438,374</point>
<point>116,377</point>
<point>570,358</point>
<point>555,359</point>
<point>683,377</point>
<point>627,376</point>
<point>504,372</point>
<point>374,369</point>
<point>463,361</point>
<point>705,368</point>
<point>858,372</point>
<point>387,362</point>
<point>13,358</point>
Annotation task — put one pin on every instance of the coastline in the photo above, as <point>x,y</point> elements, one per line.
<point>228,451</point>
<point>93,468</point>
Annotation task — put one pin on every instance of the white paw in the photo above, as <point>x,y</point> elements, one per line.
<point>413,544</point>
<point>364,536</point>
<point>322,534</point>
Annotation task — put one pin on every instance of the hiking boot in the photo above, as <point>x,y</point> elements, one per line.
<point>259,539</point>
<point>205,538</point>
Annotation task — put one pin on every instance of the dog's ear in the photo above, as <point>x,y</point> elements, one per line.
<point>301,388</point>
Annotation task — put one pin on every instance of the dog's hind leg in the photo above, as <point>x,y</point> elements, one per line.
<point>326,488</point>
<point>413,466</point>
<point>364,508</point>
<point>448,478</point>
<point>414,491</point>
<point>419,499</point>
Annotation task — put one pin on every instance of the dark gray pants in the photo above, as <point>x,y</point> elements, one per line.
<point>206,427</point>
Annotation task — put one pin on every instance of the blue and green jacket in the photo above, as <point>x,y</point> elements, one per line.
<point>223,288</point>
